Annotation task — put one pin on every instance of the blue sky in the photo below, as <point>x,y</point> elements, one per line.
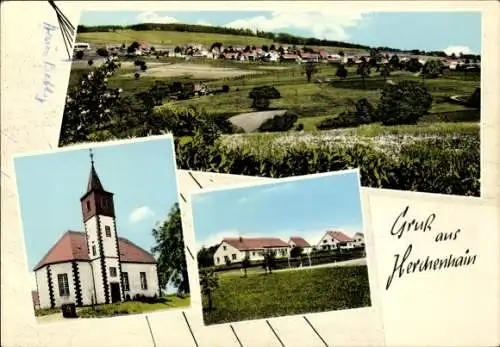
<point>449,31</point>
<point>304,207</point>
<point>141,175</point>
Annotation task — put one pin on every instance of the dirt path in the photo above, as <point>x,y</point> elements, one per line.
<point>250,122</point>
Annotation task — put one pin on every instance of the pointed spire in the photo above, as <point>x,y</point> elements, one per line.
<point>94,181</point>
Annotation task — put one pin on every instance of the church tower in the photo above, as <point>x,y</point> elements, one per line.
<point>102,240</point>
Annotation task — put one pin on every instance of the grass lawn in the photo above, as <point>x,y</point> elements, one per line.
<point>122,308</point>
<point>288,293</point>
<point>133,307</point>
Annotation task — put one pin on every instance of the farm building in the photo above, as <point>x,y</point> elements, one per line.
<point>235,249</point>
<point>335,239</point>
<point>95,266</point>
<point>297,241</point>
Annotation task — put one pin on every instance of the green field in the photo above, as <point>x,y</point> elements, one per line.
<point>174,38</point>
<point>288,293</point>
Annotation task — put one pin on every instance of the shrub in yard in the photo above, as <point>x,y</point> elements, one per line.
<point>363,113</point>
<point>282,122</point>
<point>404,103</point>
<point>413,65</point>
<point>431,69</point>
<point>262,95</point>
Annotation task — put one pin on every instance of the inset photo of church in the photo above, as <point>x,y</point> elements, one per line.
<point>102,229</point>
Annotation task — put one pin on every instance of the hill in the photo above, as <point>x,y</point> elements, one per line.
<point>180,34</point>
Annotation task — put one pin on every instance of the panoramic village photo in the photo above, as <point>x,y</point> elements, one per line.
<point>101,230</point>
<point>279,249</point>
<point>280,94</point>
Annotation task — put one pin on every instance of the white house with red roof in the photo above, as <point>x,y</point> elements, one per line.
<point>297,241</point>
<point>235,249</point>
<point>95,266</point>
<point>334,239</point>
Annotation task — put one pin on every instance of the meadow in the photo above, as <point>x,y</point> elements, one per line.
<point>176,38</point>
<point>288,293</point>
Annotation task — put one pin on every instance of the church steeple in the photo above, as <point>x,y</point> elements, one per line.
<point>94,181</point>
<point>96,200</point>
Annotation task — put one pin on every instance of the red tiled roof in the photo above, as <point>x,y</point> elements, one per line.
<point>339,236</point>
<point>73,246</point>
<point>299,241</point>
<point>290,56</point>
<point>244,243</point>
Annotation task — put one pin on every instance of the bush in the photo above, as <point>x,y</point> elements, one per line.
<point>299,127</point>
<point>225,88</point>
<point>102,52</point>
<point>137,75</point>
<point>431,69</point>
<point>90,62</point>
<point>79,55</point>
<point>404,103</point>
<point>283,122</point>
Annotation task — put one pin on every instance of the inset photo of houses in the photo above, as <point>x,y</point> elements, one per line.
<point>289,247</point>
<point>98,223</point>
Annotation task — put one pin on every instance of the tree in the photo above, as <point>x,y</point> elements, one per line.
<point>296,252</point>
<point>79,55</point>
<point>363,70</point>
<point>385,71</point>
<point>341,53</point>
<point>431,69</point>
<point>245,264</point>
<point>133,47</point>
<point>169,250</point>
<point>394,62</point>
<point>310,69</point>
<point>272,48</point>
<point>413,65</point>
<point>177,49</point>
<point>265,48</point>
<point>209,282</point>
<point>341,71</point>
<point>102,52</point>
<point>205,257</point>
<point>403,103</point>
<point>216,45</point>
<point>262,95</point>
<point>90,62</point>
<point>269,261</point>
<point>137,75</point>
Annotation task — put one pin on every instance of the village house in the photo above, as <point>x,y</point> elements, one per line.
<point>297,241</point>
<point>334,239</point>
<point>359,239</point>
<point>232,250</point>
<point>95,266</point>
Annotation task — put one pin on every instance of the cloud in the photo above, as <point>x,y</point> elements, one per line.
<point>203,22</point>
<point>140,213</point>
<point>322,25</point>
<point>457,50</point>
<point>214,239</point>
<point>153,17</point>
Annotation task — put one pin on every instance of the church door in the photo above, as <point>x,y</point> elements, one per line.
<point>115,291</point>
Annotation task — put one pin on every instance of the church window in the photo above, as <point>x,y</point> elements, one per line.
<point>94,252</point>
<point>144,282</point>
<point>108,230</point>
<point>62,280</point>
<point>88,205</point>
<point>126,286</point>
<point>112,271</point>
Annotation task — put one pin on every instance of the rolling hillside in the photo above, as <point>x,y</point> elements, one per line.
<point>174,38</point>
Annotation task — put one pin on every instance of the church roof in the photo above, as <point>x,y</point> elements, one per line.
<point>72,246</point>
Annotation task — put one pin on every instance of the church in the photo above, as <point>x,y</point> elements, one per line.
<point>95,266</point>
